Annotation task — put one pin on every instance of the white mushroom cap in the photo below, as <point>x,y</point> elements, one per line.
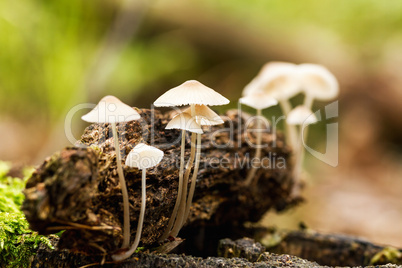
<point>111,110</point>
<point>143,156</point>
<point>186,122</point>
<point>204,115</point>
<point>301,115</point>
<point>318,81</point>
<point>258,100</point>
<point>190,92</point>
<point>277,79</point>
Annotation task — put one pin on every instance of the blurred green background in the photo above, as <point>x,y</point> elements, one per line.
<point>55,55</point>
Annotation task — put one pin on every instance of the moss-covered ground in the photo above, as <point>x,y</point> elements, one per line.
<point>18,243</point>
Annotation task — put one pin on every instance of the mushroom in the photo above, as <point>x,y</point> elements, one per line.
<point>111,110</point>
<point>205,117</point>
<point>258,101</point>
<point>142,156</point>
<point>317,82</point>
<point>190,93</point>
<point>278,80</point>
<point>301,116</point>
<point>182,121</point>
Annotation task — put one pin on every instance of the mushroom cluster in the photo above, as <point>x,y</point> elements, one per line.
<point>199,97</point>
<point>280,81</point>
<point>111,110</point>
<point>276,83</point>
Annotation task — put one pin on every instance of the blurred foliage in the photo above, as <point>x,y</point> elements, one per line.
<point>48,48</point>
<point>17,242</point>
<point>358,22</point>
<point>11,196</point>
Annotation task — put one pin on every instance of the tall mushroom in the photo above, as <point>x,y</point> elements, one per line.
<point>182,121</point>
<point>190,93</point>
<point>205,117</point>
<point>317,83</point>
<point>111,110</point>
<point>258,101</point>
<point>300,116</point>
<point>277,80</point>
<point>142,156</point>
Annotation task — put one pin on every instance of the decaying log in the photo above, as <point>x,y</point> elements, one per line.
<point>64,258</point>
<point>334,249</point>
<point>77,189</point>
<point>248,249</point>
<point>240,253</point>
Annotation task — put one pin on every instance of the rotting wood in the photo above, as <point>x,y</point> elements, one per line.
<point>80,185</point>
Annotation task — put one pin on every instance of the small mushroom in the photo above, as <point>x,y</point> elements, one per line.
<point>301,116</point>
<point>111,110</point>
<point>258,101</point>
<point>279,81</point>
<point>205,117</point>
<point>182,121</point>
<point>317,82</point>
<point>190,93</point>
<point>275,78</point>
<point>142,156</point>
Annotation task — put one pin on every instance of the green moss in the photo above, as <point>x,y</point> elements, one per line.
<point>18,243</point>
<point>11,196</point>
<point>387,255</point>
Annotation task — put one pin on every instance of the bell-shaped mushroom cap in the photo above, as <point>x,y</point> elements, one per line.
<point>190,92</point>
<point>317,81</point>
<point>111,110</point>
<point>301,115</point>
<point>277,79</point>
<point>204,115</point>
<point>258,100</point>
<point>186,122</point>
<point>143,156</point>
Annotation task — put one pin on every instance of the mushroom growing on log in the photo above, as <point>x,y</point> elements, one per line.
<point>76,189</point>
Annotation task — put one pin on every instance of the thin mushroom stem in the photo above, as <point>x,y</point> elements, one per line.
<point>253,169</point>
<point>193,179</point>
<point>297,170</point>
<point>122,181</point>
<point>125,255</point>
<point>180,190</point>
<point>180,214</point>
<point>289,129</point>
<point>308,100</point>
<point>303,133</point>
